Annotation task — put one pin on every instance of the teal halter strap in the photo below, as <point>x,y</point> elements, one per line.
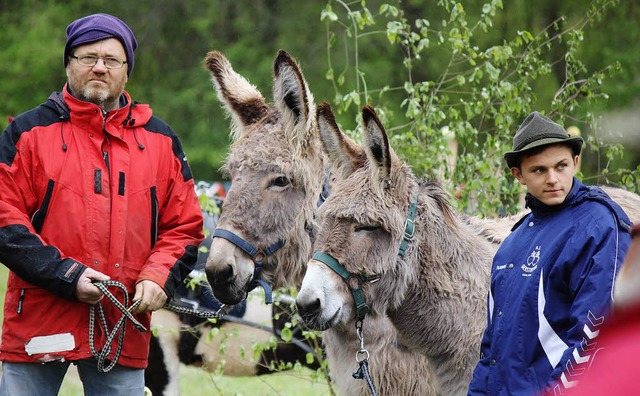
<point>409,226</point>
<point>356,289</point>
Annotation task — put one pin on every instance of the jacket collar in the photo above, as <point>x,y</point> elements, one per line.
<point>577,193</point>
<point>129,115</point>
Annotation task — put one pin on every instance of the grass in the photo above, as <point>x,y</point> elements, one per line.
<point>195,381</point>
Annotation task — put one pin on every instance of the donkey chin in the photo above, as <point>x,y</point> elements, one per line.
<point>318,321</point>
<point>229,292</point>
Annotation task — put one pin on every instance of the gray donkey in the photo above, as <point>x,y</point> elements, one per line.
<point>268,222</point>
<point>431,268</point>
<point>395,245</point>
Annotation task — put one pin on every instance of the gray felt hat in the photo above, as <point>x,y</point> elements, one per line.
<point>537,130</point>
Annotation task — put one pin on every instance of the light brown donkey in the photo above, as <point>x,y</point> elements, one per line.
<point>277,170</point>
<point>432,265</point>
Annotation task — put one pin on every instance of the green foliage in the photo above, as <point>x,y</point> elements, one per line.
<point>414,60</point>
<point>30,54</point>
<point>465,89</point>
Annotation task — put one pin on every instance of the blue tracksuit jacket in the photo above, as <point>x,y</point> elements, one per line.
<point>551,287</point>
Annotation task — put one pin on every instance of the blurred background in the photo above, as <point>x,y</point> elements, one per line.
<point>451,80</point>
<point>471,70</point>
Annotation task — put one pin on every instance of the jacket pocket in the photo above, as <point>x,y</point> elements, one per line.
<point>37,220</point>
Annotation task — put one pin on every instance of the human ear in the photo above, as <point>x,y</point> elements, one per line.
<point>515,171</point>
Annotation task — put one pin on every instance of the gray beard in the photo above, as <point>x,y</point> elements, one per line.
<point>99,97</point>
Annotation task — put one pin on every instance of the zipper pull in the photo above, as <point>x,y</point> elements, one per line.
<point>20,301</point>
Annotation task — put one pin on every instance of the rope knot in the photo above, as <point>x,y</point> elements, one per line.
<point>119,327</point>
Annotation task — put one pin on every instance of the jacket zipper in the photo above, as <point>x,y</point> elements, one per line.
<point>105,154</point>
<point>154,216</point>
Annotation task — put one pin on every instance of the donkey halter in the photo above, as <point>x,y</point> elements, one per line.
<point>257,256</point>
<point>355,281</point>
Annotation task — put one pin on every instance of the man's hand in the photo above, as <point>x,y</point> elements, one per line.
<point>86,291</point>
<point>152,295</point>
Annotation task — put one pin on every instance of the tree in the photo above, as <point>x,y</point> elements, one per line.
<point>174,37</point>
<point>462,78</point>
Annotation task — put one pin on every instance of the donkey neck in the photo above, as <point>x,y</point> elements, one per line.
<point>443,310</point>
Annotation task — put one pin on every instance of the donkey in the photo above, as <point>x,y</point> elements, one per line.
<point>277,170</point>
<point>431,267</point>
<point>185,338</point>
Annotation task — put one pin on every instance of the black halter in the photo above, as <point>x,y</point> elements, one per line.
<point>257,255</point>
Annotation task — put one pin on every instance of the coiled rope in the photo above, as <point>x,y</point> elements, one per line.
<point>119,328</point>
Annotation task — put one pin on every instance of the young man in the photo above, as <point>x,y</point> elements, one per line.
<point>552,278</point>
<point>92,187</point>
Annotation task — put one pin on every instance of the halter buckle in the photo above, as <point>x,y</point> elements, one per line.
<point>409,228</point>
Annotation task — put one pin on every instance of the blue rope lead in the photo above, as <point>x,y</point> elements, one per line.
<point>363,373</point>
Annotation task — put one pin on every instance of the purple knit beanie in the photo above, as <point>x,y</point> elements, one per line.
<point>98,27</point>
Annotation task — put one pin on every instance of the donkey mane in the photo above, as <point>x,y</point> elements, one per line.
<point>441,198</point>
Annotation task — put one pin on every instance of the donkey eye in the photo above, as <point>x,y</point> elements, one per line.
<point>280,181</point>
<point>366,228</point>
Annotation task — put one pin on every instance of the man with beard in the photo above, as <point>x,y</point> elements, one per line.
<point>93,187</point>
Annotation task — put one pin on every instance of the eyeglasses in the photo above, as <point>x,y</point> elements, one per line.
<point>92,60</point>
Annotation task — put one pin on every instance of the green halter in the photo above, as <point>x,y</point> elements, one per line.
<point>409,226</point>
<point>354,281</point>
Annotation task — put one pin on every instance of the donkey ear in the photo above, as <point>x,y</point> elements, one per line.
<point>241,100</point>
<point>376,144</point>
<point>345,154</point>
<point>293,98</point>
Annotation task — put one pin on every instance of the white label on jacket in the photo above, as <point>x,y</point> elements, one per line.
<point>51,343</point>
<point>532,262</point>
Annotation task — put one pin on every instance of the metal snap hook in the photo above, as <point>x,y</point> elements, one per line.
<point>362,355</point>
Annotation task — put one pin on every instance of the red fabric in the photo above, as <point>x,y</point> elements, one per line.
<point>110,230</point>
<point>616,369</point>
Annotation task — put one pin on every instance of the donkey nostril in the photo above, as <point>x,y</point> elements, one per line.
<point>308,308</point>
<point>225,275</point>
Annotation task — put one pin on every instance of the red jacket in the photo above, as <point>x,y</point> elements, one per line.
<point>77,190</point>
<point>615,371</point>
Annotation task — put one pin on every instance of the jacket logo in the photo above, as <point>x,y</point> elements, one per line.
<point>532,261</point>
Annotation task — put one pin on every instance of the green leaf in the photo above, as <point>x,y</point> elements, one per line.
<point>327,13</point>
<point>286,334</point>
<point>310,358</point>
